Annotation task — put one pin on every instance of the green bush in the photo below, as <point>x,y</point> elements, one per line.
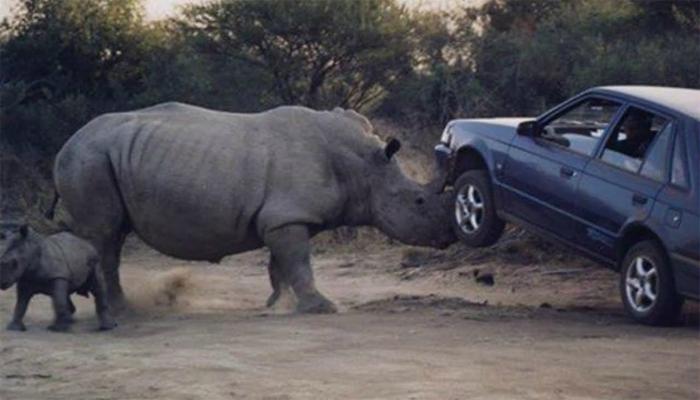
<point>65,61</point>
<point>514,57</point>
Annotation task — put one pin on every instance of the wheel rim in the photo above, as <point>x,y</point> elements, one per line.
<point>469,209</point>
<point>641,284</point>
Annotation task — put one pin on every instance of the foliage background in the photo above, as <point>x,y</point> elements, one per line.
<point>62,62</point>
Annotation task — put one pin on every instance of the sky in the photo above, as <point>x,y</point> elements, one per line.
<point>157,9</point>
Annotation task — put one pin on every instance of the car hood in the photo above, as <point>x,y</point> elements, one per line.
<point>501,129</point>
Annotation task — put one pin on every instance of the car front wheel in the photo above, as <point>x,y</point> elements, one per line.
<point>475,221</point>
<point>647,286</point>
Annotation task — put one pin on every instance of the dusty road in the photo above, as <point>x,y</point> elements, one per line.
<point>404,332</point>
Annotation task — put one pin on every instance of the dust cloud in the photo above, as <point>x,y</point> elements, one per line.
<point>163,290</point>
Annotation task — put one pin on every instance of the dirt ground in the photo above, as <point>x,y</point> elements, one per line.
<point>412,325</point>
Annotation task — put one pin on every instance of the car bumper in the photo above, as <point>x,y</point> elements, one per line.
<point>444,160</point>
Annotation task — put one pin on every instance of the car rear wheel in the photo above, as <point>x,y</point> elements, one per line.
<point>647,286</point>
<point>475,221</point>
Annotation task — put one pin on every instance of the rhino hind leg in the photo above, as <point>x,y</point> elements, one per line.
<point>110,258</point>
<point>280,285</point>
<point>289,245</point>
<point>91,196</point>
<point>97,288</point>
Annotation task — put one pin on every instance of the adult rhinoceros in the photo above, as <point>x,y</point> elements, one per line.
<point>199,184</point>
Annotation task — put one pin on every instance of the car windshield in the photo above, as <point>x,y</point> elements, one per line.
<point>580,127</point>
<point>598,111</point>
<point>575,122</point>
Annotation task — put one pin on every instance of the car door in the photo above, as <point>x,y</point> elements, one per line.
<point>620,184</point>
<point>676,213</point>
<point>541,174</point>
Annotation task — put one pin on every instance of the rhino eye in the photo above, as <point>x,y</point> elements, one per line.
<point>420,201</point>
<point>2,236</point>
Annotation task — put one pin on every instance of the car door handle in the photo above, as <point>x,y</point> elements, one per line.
<point>567,172</point>
<point>640,200</point>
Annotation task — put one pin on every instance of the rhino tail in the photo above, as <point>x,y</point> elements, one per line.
<point>51,212</point>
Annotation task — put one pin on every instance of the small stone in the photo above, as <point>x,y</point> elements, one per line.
<point>486,279</point>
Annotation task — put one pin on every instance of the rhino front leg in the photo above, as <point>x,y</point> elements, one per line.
<point>24,295</point>
<point>280,285</point>
<point>289,246</point>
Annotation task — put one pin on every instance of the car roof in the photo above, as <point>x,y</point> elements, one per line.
<point>686,101</point>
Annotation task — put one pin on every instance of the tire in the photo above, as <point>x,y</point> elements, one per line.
<point>474,220</point>
<point>646,271</point>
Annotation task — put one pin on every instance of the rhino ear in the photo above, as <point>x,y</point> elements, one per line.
<point>392,146</point>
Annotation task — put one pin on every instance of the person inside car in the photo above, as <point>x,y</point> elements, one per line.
<point>638,134</point>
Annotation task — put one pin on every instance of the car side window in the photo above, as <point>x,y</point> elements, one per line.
<point>581,128</point>
<point>654,165</point>
<point>679,166</point>
<point>632,139</point>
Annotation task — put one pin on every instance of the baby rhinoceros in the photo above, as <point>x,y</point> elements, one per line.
<point>56,265</point>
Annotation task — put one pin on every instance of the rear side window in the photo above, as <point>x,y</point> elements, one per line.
<point>679,165</point>
<point>654,166</point>
<point>633,138</point>
<point>581,127</point>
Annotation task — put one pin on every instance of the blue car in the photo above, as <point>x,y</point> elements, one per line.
<point>613,172</point>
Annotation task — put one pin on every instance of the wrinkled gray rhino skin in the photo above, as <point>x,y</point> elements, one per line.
<point>57,265</point>
<point>199,184</point>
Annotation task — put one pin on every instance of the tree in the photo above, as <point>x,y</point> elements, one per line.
<point>76,46</point>
<point>65,61</point>
<point>317,52</point>
<point>519,57</point>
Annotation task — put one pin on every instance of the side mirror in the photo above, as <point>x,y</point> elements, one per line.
<point>528,128</point>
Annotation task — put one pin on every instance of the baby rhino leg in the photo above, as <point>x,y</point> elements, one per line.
<point>59,297</point>
<point>24,294</point>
